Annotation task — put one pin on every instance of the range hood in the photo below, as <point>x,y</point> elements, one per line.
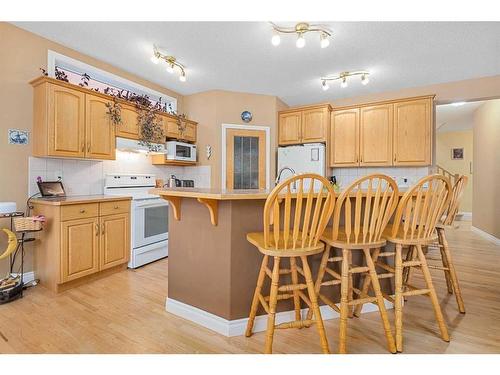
<point>131,145</point>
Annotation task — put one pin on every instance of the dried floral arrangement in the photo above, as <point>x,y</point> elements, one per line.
<point>151,128</point>
<point>114,112</point>
<point>181,122</point>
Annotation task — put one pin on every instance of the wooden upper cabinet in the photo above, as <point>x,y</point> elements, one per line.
<point>171,127</point>
<point>315,125</point>
<point>190,132</point>
<point>99,131</point>
<point>304,125</point>
<point>344,138</point>
<point>79,248</point>
<point>375,140</point>
<point>65,127</point>
<point>289,129</point>
<point>413,132</point>
<point>129,128</point>
<point>115,241</point>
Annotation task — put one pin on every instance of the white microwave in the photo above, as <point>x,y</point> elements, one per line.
<point>180,151</point>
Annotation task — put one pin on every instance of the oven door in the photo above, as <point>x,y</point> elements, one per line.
<point>149,222</point>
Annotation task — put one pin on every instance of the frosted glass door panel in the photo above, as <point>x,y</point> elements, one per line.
<point>246,162</point>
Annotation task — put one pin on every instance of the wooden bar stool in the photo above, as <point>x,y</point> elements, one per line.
<point>374,199</point>
<point>446,222</point>
<point>415,221</point>
<point>292,236</point>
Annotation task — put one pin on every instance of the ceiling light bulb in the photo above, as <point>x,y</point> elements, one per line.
<point>182,77</point>
<point>276,40</point>
<point>324,86</point>
<point>364,79</point>
<point>301,42</point>
<point>344,83</point>
<point>324,41</point>
<point>170,68</point>
<point>155,59</point>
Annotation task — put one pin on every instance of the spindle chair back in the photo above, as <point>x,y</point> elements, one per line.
<point>456,198</point>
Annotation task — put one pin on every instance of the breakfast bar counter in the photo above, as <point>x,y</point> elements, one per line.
<point>212,268</point>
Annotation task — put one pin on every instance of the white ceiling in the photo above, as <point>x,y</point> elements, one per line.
<point>452,118</point>
<point>238,56</point>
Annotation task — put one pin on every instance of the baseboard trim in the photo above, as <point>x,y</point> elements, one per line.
<point>464,216</point>
<point>237,327</point>
<point>486,235</point>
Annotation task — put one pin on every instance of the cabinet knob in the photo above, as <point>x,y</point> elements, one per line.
<point>82,211</point>
<point>117,207</point>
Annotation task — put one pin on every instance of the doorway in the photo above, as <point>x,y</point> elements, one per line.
<point>246,157</point>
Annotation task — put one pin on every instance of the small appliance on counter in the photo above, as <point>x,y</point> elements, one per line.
<point>187,183</point>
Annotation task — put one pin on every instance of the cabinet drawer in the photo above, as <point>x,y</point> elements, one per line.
<point>79,211</point>
<point>115,207</point>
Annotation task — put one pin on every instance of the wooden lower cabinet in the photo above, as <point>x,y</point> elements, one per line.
<point>81,241</point>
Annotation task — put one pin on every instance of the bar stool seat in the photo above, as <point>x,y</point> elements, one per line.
<point>401,238</point>
<point>293,225</point>
<point>257,239</point>
<point>342,240</point>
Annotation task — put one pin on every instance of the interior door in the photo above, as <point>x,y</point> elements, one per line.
<point>115,240</point>
<point>376,135</point>
<point>100,132</point>
<point>66,119</point>
<point>245,159</point>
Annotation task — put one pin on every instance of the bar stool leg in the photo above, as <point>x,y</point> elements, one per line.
<point>380,301</point>
<point>314,304</point>
<point>432,295</point>
<point>452,273</point>
<point>449,286</point>
<point>351,293</point>
<point>321,274</point>
<point>366,284</point>
<point>255,301</point>
<point>295,280</point>
<point>398,298</point>
<point>273,299</point>
<point>344,300</point>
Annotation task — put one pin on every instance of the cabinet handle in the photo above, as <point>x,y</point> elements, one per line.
<point>394,157</point>
<point>82,211</point>
<point>97,230</point>
<point>103,226</point>
<point>88,148</point>
<point>83,147</point>
<point>117,207</point>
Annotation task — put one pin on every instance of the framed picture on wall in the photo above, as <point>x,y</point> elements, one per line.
<point>457,153</point>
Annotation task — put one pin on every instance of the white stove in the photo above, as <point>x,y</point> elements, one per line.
<point>149,217</point>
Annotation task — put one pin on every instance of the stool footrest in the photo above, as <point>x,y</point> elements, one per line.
<point>263,302</point>
<point>333,273</point>
<point>387,254</point>
<point>385,266</point>
<point>416,292</point>
<point>327,301</point>
<point>362,301</point>
<point>296,324</point>
<point>291,287</point>
<point>335,259</point>
<point>412,263</point>
<point>331,282</point>
<point>359,270</point>
<point>385,275</point>
<point>438,267</point>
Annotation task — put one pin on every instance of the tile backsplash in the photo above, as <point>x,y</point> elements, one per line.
<point>86,177</point>
<point>404,176</point>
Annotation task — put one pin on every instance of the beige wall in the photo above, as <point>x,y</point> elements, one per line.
<point>444,143</point>
<point>23,53</point>
<point>486,190</point>
<point>211,109</point>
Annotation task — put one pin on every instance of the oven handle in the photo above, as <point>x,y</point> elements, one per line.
<point>149,205</point>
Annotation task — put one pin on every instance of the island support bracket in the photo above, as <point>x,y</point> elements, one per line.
<point>213,208</point>
<point>175,202</point>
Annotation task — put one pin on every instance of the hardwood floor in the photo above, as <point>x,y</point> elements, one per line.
<point>125,313</point>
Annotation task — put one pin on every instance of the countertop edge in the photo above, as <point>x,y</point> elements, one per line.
<point>79,200</point>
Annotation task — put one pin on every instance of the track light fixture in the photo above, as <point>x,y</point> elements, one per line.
<point>342,77</point>
<point>301,29</point>
<point>171,61</point>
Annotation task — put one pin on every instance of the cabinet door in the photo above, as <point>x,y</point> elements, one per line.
<point>289,128</point>
<point>115,240</point>
<point>413,132</point>
<point>129,128</point>
<point>171,127</point>
<point>315,125</point>
<point>376,135</point>
<point>190,132</point>
<point>66,122</point>
<point>80,248</point>
<point>100,132</point>
<point>345,138</point>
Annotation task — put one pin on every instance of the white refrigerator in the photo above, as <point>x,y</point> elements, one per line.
<point>307,158</point>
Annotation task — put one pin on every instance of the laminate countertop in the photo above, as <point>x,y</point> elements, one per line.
<point>222,194</point>
<point>79,199</point>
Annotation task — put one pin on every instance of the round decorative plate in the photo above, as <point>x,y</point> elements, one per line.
<point>246,116</point>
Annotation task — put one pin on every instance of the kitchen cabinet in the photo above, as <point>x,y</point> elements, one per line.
<point>392,133</point>
<point>173,131</point>
<point>344,150</point>
<point>81,240</point>
<point>304,125</point>
<point>99,131</point>
<point>129,128</point>
<point>413,121</point>
<point>375,135</point>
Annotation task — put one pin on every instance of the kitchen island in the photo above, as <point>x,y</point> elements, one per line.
<point>212,268</point>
